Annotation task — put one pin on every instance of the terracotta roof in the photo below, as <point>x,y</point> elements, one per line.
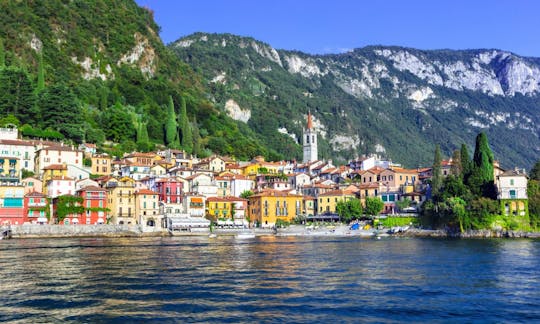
<point>401,170</point>
<point>65,148</point>
<point>35,194</point>
<point>92,188</point>
<point>273,193</point>
<point>376,170</point>
<point>369,186</point>
<point>55,167</point>
<point>338,193</point>
<point>225,199</point>
<point>145,192</point>
<point>16,142</point>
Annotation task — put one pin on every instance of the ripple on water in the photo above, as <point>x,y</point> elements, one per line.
<point>300,280</point>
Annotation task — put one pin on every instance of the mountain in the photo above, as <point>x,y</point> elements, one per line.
<point>394,101</point>
<point>105,62</point>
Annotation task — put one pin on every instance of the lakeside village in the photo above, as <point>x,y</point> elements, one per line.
<point>170,190</point>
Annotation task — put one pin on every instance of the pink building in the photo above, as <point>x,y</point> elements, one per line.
<point>169,190</point>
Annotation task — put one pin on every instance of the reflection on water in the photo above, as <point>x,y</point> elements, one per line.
<point>269,279</point>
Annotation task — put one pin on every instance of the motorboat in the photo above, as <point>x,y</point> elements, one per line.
<point>245,235</point>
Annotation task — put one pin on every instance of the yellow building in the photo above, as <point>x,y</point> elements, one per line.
<point>53,171</point>
<point>268,206</point>
<point>147,209</point>
<point>328,201</point>
<point>122,202</point>
<point>10,169</point>
<point>232,208</point>
<point>101,164</point>
<point>251,170</point>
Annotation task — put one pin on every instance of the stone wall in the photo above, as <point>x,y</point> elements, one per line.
<point>34,230</point>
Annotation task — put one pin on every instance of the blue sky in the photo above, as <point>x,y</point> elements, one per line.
<point>332,26</point>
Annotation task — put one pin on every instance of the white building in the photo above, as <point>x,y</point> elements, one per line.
<point>61,154</point>
<point>24,150</point>
<point>59,186</point>
<point>512,185</point>
<point>309,141</point>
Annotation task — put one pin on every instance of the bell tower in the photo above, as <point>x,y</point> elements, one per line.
<point>309,141</point>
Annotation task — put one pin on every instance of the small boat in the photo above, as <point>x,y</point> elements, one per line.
<point>245,235</point>
<point>212,235</point>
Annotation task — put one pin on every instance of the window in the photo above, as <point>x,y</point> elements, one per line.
<point>513,194</point>
<point>511,182</point>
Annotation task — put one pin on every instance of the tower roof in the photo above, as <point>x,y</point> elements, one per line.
<point>309,121</point>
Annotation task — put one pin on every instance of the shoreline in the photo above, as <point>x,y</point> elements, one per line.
<point>135,231</point>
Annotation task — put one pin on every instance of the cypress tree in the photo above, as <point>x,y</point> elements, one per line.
<point>456,169</point>
<point>41,75</point>
<point>534,174</point>
<point>196,138</point>
<point>466,164</point>
<point>481,179</point>
<point>187,136</point>
<point>2,54</point>
<point>143,143</point>
<point>436,177</point>
<point>170,125</point>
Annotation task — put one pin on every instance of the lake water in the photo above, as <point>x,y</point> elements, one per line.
<point>269,279</point>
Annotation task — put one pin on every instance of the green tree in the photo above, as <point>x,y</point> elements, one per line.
<point>60,111</point>
<point>41,75</point>
<point>117,123</point>
<point>404,203</point>
<point>143,143</point>
<point>533,193</point>
<point>246,194</point>
<point>534,174</point>
<point>349,209</point>
<point>466,163</point>
<point>9,119</point>
<point>459,213</point>
<point>2,54</point>
<point>481,179</point>
<point>196,138</point>
<point>17,94</point>
<point>170,125</point>
<point>187,135</point>
<point>456,168</point>
<point>68,205</point>
<point>373,206</point>
<point>436,177</point>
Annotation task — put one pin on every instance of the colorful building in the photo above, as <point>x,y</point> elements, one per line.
<point>231,209</point>
<point>327,201</point>
<point>169,190</point>
<point>101,164</point>
<point>512,194</point>
<point>36,208</point>
<point>11,204</point>
<point>95,204</point>
<point>269,206</point>
<point>121,200</point>
<point>147,209</point>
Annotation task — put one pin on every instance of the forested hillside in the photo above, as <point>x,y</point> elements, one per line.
<point>97,71</point>
<point>397,102</point>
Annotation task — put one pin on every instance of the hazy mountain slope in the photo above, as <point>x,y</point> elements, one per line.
<point>394,101</point>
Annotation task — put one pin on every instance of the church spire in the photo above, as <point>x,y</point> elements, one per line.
<point>309,121</point>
